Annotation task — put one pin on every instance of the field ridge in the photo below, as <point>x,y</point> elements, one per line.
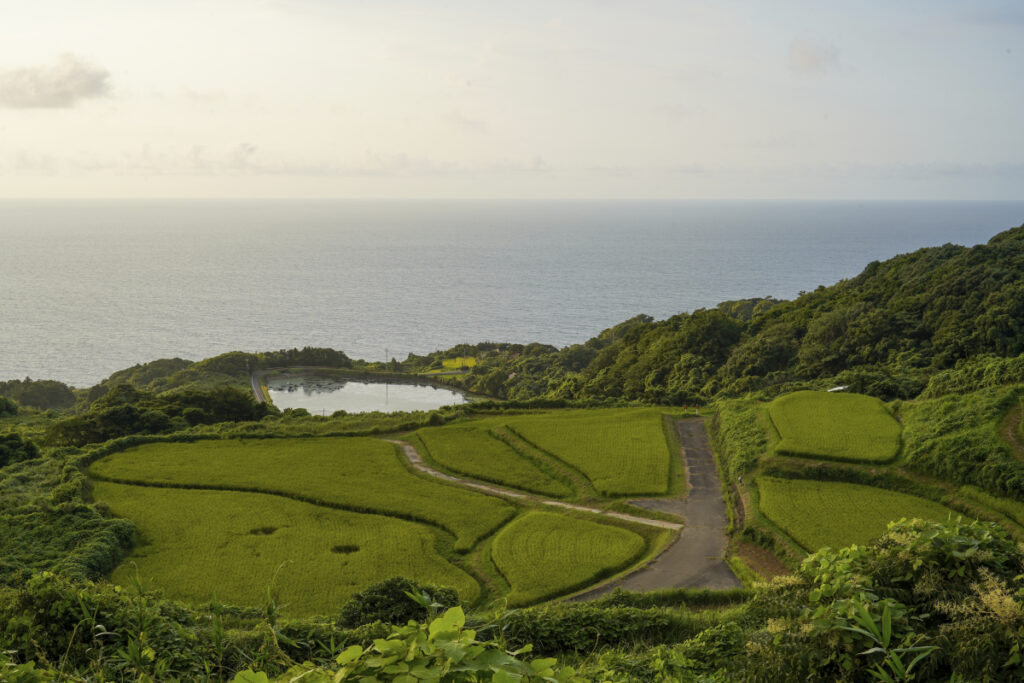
<point>282,494</point>
<point>499,491</point>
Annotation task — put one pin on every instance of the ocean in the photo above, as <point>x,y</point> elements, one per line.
<point>90,287</point>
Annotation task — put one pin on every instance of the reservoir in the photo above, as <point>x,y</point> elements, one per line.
<point>322,395</point>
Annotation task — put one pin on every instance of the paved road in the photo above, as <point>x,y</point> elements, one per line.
<point>417,463</point>
<point>695,558</point>
<point>257,388</point>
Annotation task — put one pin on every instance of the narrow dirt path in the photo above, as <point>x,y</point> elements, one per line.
<point>414,458</point>
<point>695,558</point>
<point>1011,427</point>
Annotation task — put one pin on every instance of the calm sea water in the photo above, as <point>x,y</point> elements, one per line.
<point>87,288</point>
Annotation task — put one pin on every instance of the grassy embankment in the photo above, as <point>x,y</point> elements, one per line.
<point>821,469</point>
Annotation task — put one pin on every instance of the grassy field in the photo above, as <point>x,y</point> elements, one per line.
<point>457,363</point>
<point>543,554</point>
<point>471,450</point>
<point>835,426</point>
<point>825,513</point>
<point>355,473</point>
<point>201,544</point>
<point>622,451</point>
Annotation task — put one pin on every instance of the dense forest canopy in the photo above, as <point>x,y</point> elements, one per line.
<point>883,332</point>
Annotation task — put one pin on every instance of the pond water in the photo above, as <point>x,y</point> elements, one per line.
<point>325,395</point>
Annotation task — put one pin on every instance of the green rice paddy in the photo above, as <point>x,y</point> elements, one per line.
<point>359,474</point>
<point>622,451</point>
<point>544,554</point>
<point>197,545</point>
<point>835,514</point>
<point>835,426</point>
<point>473,451</point>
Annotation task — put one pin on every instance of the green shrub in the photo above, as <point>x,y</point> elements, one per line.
<point>16,448</point>
<point>388,601</point>
<point>584,628</point>
<point>443,650</point>
<point>956,438</point>
<point>8,407</point>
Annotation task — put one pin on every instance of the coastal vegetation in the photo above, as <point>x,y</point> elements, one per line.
<point>166,525</point>
<point>885,333</point>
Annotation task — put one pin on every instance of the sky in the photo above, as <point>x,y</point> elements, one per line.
<point>630,99</point>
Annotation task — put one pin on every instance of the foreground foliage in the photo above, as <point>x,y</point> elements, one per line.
<point>926,601</point>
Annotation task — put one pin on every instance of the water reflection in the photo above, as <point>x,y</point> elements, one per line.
<point>325,395</point>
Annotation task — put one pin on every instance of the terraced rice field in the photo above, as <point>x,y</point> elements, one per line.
<point>835,514</point>
<point>622,451</point>
<point>473,451</point>
<point>543,554</point>
<point>357,474</point>
<point>203,544</point>
<point>835,426</point>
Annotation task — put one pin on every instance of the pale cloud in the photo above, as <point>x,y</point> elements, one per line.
<point>56,86</point>
<point>811,58</point>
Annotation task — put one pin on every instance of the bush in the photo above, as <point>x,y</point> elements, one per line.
<point>15,448</point>
<point>388,602</point>
<point>584,628</point>
<point>8,407</point>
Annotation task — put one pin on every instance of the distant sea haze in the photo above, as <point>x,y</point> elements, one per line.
<point>90,287</point>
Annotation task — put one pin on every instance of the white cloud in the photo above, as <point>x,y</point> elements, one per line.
<point>809,58</point>
<point>57,86</point>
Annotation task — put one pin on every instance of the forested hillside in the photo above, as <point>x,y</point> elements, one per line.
<point>884,332</point>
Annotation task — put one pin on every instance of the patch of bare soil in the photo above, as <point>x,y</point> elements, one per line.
<point>761,561</point>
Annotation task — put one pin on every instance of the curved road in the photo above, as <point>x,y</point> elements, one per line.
<point>417,463</point>
<point>695,559</point>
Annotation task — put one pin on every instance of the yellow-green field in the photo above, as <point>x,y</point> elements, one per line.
<point>472,450</point>
<point>355,473</point>
<point>622,451</point>
<point>544,554</point>
<point>197,545</point>
<point>835,514</point>
<point>218,517</point>
<point>835,426</point>
<point>457,363</point>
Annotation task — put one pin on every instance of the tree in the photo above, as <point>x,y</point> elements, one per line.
<point>8,407</point>
<point>15,448</point>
